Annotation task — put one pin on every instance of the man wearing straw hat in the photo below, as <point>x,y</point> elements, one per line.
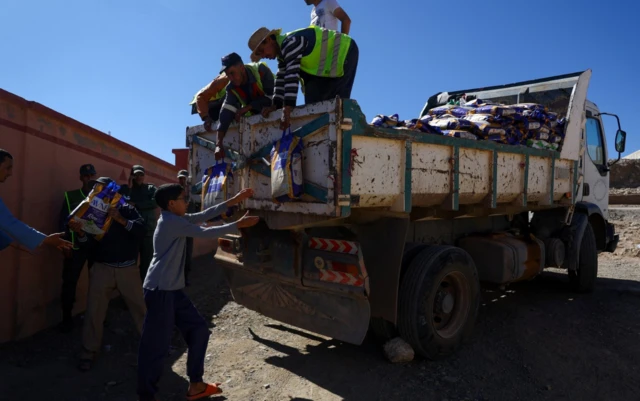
<point>326,61</point>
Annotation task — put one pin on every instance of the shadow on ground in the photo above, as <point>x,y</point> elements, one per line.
<point>535,341</point>
<point>44,366</point>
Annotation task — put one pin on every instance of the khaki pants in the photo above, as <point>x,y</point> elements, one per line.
<point>103,280</point>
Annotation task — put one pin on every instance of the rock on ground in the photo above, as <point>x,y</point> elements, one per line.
<point>398,351</point>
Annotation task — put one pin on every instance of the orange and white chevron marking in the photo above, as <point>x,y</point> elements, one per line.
<point>333,245</point>
<point>333,276</point>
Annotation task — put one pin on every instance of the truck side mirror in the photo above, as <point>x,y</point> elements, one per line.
<point>621,140</point>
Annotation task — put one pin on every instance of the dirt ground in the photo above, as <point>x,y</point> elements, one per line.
<point>535,341</point>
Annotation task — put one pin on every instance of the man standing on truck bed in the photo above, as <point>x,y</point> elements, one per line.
<point>249,91</point>
<point>12,229</point>
<point>75,258</point>
<point>326,61</point>
<point>142,197</point>
<point>327,13</point>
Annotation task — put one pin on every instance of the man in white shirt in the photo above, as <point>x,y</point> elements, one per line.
<point>327,13</point>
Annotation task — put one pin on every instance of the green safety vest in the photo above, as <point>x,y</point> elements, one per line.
<point>328,55</point>
<point>215,97</point>
<point>255,70</point>
<point>73,199</point>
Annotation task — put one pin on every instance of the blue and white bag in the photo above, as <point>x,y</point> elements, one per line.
<point>286,168</point>
<point>216,182</point>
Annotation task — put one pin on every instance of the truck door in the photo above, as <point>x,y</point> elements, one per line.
<point>595,188</point>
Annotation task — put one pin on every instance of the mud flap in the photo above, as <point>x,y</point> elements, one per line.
<point>343,317</point>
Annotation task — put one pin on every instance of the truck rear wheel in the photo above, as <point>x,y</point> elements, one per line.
<point>438,301</point>
<point>382,329</point>
<point>584,278</point>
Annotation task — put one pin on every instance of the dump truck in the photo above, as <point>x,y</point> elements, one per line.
<point>397,229</point>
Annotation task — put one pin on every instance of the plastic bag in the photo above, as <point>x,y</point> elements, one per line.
<point>536,144</point>
<point>438,111</point>
<point>459,134</point>
<point>450,123</point>
<point>286,168</point>
<point>216,181</point>
<point>385,121</point>
<point>93,211</point>
<point>461,111</point>
<point>502,111</point>
<point>483,128</point>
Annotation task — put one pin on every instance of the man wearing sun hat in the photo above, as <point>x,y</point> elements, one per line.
<point>326,61</point>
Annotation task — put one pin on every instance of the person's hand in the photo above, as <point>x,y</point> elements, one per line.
<point>285,121</point>
<point>219,154</point>
<point>240,196</point>
<point>242,112</point>
<point>207,124</point>
<point>247,221</point>
<point>114,213</point>
<point>268,110</point>
<point>57,241</point>
<point>76,227</point>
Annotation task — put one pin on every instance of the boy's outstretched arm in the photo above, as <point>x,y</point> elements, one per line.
<point>187,229</point>
<point>217,210</point>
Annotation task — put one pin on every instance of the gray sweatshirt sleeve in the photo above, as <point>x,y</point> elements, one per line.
<point>183,227</point>
<point>206,215</point>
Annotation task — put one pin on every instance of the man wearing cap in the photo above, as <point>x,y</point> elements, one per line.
<point>12,229</point>
<point>115,257</point>
<point>74,259</point>
<point>142,196</point>
<point>183,180</point>
<point>208,101</point>
<point>326,61</point>
<point>249,91</point>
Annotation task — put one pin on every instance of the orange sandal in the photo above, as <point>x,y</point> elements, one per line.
<point>212,389</point>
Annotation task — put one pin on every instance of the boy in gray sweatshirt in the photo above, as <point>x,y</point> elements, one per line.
<point>167,305</point>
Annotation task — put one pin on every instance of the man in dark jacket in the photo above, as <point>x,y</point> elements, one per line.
<point>114,268</point>
<point>74,259</point>
<point>142,196</point>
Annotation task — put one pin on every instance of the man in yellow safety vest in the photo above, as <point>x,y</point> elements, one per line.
<point>249,91</point>
<point>325,60</point>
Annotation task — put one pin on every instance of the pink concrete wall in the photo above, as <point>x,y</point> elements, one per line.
<point>48,149</point>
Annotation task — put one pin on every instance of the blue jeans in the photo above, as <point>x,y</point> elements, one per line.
<point>164,310</point>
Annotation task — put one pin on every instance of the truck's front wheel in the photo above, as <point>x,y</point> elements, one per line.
<point>439,299</point>
<point>584,278</point>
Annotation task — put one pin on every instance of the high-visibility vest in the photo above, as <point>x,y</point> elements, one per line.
<point>257,89</point>
<point>215,97</point>
<point>73,199</point>
<point>328,55</point>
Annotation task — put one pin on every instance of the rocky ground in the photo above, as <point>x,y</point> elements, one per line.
<point>535,341</point>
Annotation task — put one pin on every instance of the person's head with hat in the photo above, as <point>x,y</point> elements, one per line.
<point>183,177</point>
<point>137,175</point>
<point>263,44</point>
<point>87,176</point>
<point>233,67</point>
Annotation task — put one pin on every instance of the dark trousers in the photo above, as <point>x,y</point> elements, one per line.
<point>187,263</point>
<point>71,270</point>
<point>164,310</point>
<point>146,254</point>
<point>318,89</point>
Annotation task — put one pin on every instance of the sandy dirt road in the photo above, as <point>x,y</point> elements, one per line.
<point>535,341</point>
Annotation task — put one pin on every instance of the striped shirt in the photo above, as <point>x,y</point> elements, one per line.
<point>293,48</point>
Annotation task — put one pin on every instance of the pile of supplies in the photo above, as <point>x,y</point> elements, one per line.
<point>527,124</point>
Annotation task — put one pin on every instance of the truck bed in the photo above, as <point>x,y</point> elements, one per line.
<point>352,169</point>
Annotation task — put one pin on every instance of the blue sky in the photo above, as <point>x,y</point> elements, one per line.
<point>131,67</point>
